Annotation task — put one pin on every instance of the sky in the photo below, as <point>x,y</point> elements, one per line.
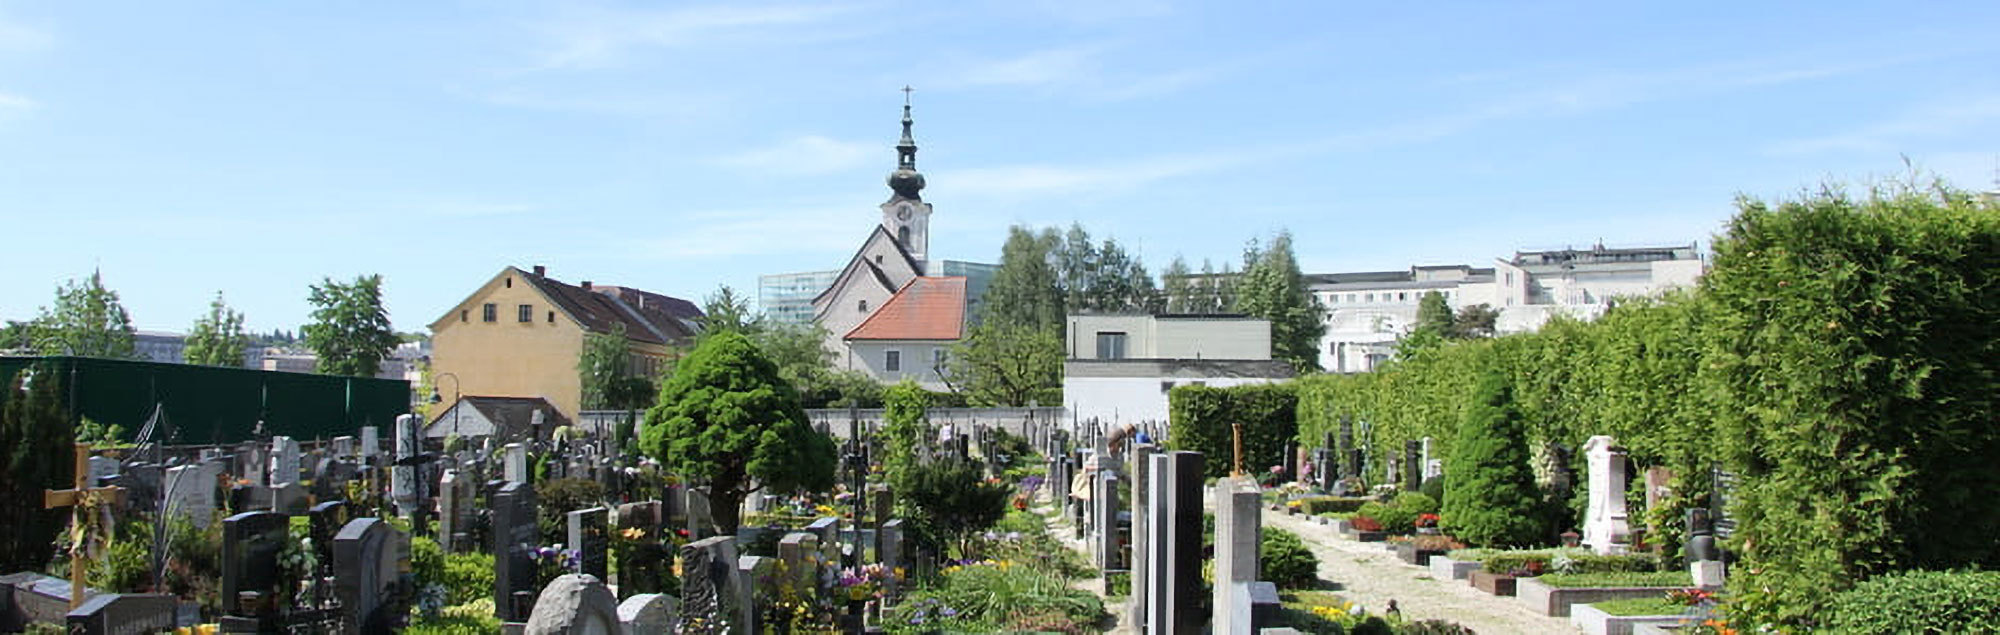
<point>257,148</point>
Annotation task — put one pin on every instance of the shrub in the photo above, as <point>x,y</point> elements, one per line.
<point>1920,602</point>
<point>1491,495</point>
<point>468,577</point>
<point>1394,519</point>
<point>1316,505</point>
<point>998,596</point>
<point>1201,418</point>
<point>1641,606</point>
<point>555,498</point>
<point>1286,561</point>
<point>953,502</point>
<point>1434,488</point>
<point>1417,503</point>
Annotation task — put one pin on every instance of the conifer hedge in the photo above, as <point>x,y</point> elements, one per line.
<point>1839,356</point>
<point>1201,417</point>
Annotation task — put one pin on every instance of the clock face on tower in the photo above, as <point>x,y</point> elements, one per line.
<point>903,213</point>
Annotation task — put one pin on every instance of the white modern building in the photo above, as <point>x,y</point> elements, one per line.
<point>1367,312</point>
<point>1119,368</point>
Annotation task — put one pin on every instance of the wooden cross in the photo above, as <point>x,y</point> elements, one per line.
<point>75,499</point>
<point>1236,431</point>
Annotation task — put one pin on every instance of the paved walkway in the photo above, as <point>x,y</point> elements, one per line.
<point>1369,574</point>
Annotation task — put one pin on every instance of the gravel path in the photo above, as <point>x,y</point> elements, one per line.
<point>1369,574</point>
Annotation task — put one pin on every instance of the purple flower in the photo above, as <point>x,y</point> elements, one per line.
<point>948,612</point>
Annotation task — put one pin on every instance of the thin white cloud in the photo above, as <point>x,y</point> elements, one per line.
<point>18,37</point>
<point>1892,135</point>
<point>15,102</point>
<point>477,209</point>
<point>758,232</point>
<point>1080,71</point>
<point>598,38</point>
<point>810,154</point>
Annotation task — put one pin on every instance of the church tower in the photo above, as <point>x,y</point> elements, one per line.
<point>906,216</point>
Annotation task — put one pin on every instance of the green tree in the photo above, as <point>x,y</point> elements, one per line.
<point>954,502</point>
<point>350,331</point>
<point>217,339</point>
<point>35,456</point>
<point>602,364</point>
<point>728,420</point>
<point>1433,315</point>
<point>800,353</point>
<point>1008,365</point>
<point>1474,321</point>
<point>1177,287</point>
<point>87,321</point>
<point>1025,292</point>
<point>727,310</point>
<point>16,336</point>
<point>904,426</point>
<point>1272,288</point>
<point>1490,493</point>
<point>1077,272</point>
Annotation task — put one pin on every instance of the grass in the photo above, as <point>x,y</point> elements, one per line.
<point>1618,579</point>
<point>1641,606</point>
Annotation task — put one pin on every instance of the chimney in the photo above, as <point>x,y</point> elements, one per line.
<point>541,271</point>
<point>585,284</point>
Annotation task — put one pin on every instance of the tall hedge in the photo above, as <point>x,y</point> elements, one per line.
<point>1838,356</point>
<point>1854,340</point>
<point>1200,420</point>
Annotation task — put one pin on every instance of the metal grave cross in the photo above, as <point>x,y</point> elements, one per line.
<point>78,500</point>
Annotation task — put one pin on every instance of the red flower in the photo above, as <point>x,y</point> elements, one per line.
<point>1364,523</point>
<point>1427,520</point>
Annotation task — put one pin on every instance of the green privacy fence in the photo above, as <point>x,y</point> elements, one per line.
<point>208,404</point>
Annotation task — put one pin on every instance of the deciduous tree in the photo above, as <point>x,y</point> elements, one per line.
<point>1024,292</point>
<point>217,339</point>
<point>1272,288</point>
<point>87,320</point>
<point>727,420</point>
<point>350,331</point>
<point>1008,365</point>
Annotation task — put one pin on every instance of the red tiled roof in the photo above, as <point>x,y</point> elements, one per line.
<point>925,309</point>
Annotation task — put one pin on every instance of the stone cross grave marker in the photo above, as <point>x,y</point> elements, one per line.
<point>590,535</point>
<point>369,557</point>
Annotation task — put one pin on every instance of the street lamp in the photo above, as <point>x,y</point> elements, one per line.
<point>454,399</point>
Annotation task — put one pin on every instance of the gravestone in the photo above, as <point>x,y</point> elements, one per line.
<point>1173,604</point>
<point>1141,455</point>
<point>1413,465</point>
<point>121,614</point>
<point>648,613</point>
<point>1605,526</point>
<point>251,542</point>
<point>701,524</point>
<point>515,539</point>
<point>889,548</point>
<point>343,447</point>
<point>515,467</point>
<point>369,558</point>
<point>1433,464</point>
<point>1105,499</point>
<point>709,601</point>
<point>749,570</point>
<point>1291,460</point>
<point>575,604</point>
<point>799,553</point>
<point>102,467</point>
<point>1238,528</point>
<point>1704,556</point>
<point>1350,454</point>
<point>371,444</point>
<point>590,535</point>
<point>284,461</point>
<point>828,531</point>
<point>289,499</point>
<point>330,478</point>
<point>403,487</point>
<point>325,520</point>
<point>191,493</point>
<point>448,503</point>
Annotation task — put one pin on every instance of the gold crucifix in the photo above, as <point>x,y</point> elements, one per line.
<point>1236,432</point>
<point>78,500</point>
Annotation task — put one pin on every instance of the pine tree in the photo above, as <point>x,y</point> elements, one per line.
<point>1273,288</point>
<point>1490,496</point>
<point>34,455</point>
<point>1024,292</point>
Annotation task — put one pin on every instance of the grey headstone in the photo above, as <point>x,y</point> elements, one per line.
<point>120,614</point>
<point>647,613</point>
<point>191,493</point>
<point>515,538</point>
<point>369,557</point>
<point>102,467</point>
<point>701,523</point>
<point>284,461</point>
<point>575,604</point>
<point>709,602</point>
<point>371,442</point>
<point>1238,527</point>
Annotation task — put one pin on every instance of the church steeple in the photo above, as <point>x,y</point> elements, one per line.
<point>906,181</point>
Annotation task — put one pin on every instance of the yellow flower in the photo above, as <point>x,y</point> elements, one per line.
<point>634,533</point>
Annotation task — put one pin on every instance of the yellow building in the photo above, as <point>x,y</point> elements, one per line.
<point>521,334</point>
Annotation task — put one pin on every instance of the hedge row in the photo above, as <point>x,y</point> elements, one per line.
<point>1201,420</point>
<point>1842,356</point>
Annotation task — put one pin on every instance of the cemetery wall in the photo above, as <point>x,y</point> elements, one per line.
<point>211,404</point>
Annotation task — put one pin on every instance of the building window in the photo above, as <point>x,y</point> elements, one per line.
<point>552,317</point>
<point>1402,296</point>
<point>1371,297</point>
<point>892,361</point>
<point>464,315</point>
<point>938,357</point>
<point>1110,345</point>
<point>525,313</point>
<point>510,283</point>
<point>861,306</point>
<point>489,313</point>
<point>1510,278</point>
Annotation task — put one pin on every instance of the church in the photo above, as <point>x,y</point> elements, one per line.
<point>892,311</point>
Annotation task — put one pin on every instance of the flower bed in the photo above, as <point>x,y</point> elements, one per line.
<point>1594,620</point>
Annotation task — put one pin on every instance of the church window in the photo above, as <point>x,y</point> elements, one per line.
<point>903,236</point>
<point>489,313</point>
<point>892,361</point>
<point>861,306</point>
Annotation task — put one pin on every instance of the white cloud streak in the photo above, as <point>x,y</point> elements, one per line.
<point>809,154</point>
<point>1891,135</point>
<point>15,102</point>
<point>1080,71</point>
<point>757,232</point>
<point>600,38</point>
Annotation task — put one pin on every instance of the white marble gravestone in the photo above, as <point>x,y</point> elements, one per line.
<point>284,461</point>
<point>1606,528</point>
<point>516,466</point>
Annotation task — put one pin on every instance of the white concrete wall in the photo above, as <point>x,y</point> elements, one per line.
<point>1149,337</point>
<point>1132,399</point>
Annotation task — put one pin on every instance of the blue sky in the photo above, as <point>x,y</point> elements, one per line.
<point>256,147</point>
